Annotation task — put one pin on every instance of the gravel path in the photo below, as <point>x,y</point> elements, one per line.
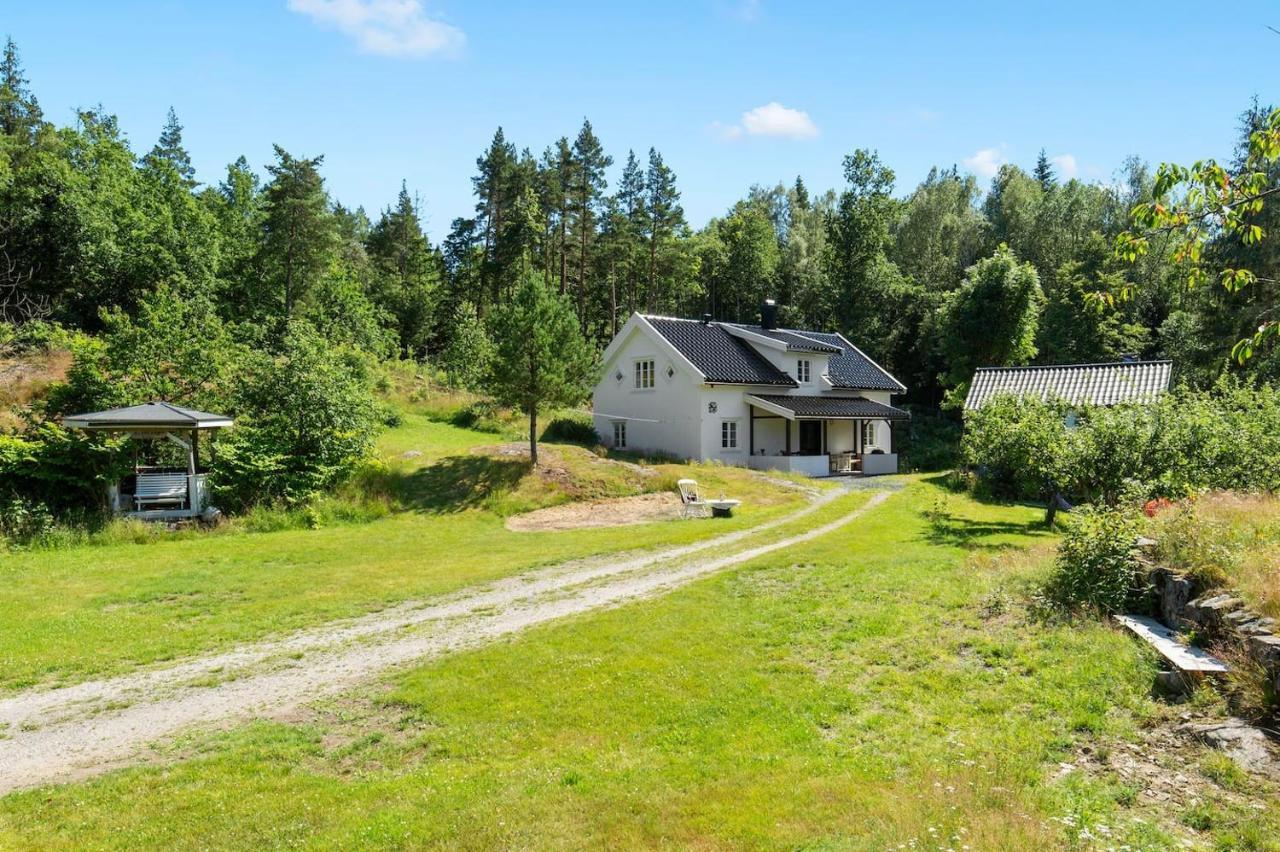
<point>76,731</point>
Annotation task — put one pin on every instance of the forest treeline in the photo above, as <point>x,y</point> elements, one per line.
<point>950,276</point>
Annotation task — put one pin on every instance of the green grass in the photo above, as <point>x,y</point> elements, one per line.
<point>871,688</point>
<point>73,613</point>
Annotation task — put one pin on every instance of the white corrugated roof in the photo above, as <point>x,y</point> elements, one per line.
<point>1077,384</point>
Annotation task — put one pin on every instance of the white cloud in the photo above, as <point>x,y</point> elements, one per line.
<point>772,119</point>
<point>397,28</point>
<point>986,162</point>
<point>1066,166</point>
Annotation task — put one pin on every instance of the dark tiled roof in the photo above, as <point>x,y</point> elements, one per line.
<point>851,369</point>
<point>148,415</point>
<point>834,407</point>
<point>794,341</point>
<point>1075,384</point>
<point>720,356</point>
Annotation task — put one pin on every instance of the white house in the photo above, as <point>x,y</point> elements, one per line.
<point>749,395</point>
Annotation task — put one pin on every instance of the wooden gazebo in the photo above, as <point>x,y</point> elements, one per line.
<point>151,492</point>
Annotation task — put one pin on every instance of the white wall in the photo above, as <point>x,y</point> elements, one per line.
<point>663,419</point>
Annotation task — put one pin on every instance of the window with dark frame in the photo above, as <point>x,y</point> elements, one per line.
<point>729,435</point>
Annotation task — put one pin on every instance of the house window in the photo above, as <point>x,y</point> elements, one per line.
<point>869,433</point>
<point>619,433</point>
<point>644,374</point>
<point>729,434</point>
<point>802,371</point>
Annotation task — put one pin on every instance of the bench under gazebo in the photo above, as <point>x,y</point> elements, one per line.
<point>157,492</point>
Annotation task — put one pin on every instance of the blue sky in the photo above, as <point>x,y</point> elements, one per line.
<point>733,92</point>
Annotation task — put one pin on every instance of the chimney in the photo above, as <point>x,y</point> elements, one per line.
<point>769,314</point>
<point>1129,358</point>
<point>706,319</point>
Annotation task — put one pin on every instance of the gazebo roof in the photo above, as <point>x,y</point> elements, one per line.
<point>148,416</point>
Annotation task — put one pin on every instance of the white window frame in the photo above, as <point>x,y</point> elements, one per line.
<point>644,374</point>
<point>870,433</point>
<point>620,434</point>
<point>804,371</point>
<point>729,435</point>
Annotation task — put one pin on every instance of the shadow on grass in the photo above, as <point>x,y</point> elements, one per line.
<point>459,482</point>
<point>976,535</point>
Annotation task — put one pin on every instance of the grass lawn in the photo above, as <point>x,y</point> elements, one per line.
<point>881,685</point>
<point>74,613</point>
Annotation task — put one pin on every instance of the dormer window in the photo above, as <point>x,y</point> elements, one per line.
<point>803,371</point>
<point>644,374</point>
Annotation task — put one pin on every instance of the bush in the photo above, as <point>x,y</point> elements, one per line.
<point>24,522</point>
<point>1017,446</point>
<point>571,430</point>
<point>931,443</point>
<point>1097,568</point>
<point>307,419</point>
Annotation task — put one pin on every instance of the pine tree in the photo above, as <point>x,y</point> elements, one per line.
<point>665,216</point>
<point>1044,171</point>
<point>406,272</point>
<point>491,185</point>
<point>586,189</point>
<point>800,194</point>
<point>19,111</point>
<point>300,238</point>
<point>630,223</point>
<point>169,150</point>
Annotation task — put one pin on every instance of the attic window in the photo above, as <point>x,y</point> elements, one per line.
<point>803,371</point>
<point>618,375</point>
<point>671,371</point>
<point>644,374</point>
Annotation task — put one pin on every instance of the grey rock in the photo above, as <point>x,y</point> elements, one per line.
<point>1240,741</point>
<point>1175,591</point>
<point>1266,651</point>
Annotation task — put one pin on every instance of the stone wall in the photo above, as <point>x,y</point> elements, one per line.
<point>1215,615</point>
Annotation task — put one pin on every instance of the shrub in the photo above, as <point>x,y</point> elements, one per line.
<point>931,443</point>
<point>24,521</point>
<point>571,430</point>
<point>307,418</point>
<point>1017,446</point>
<point>1096,568</point>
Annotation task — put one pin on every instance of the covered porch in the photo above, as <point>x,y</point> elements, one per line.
<point>822,435</point>
<point>172,489</point>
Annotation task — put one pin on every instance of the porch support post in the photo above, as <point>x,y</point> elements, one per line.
<point>787,448</point>
<point>824,437</point>
<point>751,430</point>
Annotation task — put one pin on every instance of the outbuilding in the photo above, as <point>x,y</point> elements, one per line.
<point>157,491</point>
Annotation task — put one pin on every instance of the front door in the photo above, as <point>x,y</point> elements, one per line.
<point>810,437</point>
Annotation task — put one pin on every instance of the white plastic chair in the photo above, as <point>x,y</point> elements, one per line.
<point>691,502</point>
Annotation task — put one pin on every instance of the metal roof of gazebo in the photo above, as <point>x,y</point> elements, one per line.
<point>148,416</point>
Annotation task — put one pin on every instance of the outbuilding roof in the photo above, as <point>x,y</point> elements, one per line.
<point>828,407</point>
<point>1075,384</point>
<point>148,415</point>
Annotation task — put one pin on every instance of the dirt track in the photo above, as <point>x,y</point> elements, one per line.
<point>81,730</point>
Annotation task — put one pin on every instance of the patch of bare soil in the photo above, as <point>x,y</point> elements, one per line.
<point>641,509</point>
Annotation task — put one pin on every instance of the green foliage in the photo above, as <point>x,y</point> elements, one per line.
<point>572,430</point>
<point>990,320</point>
<point>931,442</point>
<point>306,419</point>
<point>1224,438</point>
<point>540,358</point>
<point>1096,569</point>
<point>466,360</point>
<point>1017,446</point>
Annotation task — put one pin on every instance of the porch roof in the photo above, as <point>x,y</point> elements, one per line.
<point>827,407</point>
<point>148,416</point>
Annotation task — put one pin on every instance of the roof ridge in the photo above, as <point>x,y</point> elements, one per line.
<point>1079,366</point>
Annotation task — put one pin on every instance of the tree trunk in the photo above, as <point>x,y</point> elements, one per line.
<point>533,435</point>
